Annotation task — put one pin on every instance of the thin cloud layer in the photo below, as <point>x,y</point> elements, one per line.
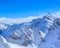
<point>17,20</point>
<point>26,19</point>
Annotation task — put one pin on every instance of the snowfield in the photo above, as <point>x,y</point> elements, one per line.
<point>11,45</point>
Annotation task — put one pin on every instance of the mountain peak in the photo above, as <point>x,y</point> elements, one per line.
<point>49,17</point>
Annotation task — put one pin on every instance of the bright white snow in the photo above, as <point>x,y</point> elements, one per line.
<point>11,45</point>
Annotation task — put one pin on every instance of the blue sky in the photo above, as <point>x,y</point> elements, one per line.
<point>24,8</point>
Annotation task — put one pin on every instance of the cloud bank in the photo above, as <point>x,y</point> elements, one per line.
<point>26,19</point>
<point>17,20</point>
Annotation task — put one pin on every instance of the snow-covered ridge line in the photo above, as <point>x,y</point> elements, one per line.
<point>11,21</point>
<point>25,19</point>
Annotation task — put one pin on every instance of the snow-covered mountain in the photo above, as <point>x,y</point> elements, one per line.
<point>52,39</point>
<point>36,33</point>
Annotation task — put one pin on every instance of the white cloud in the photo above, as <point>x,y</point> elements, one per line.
<point>26,19</point>
<point>17,20</point>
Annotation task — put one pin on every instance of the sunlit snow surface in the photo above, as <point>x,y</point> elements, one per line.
<point>16,46</point>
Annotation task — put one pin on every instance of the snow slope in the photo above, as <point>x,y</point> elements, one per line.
<point>11,45</point>
<point>52,39</point>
